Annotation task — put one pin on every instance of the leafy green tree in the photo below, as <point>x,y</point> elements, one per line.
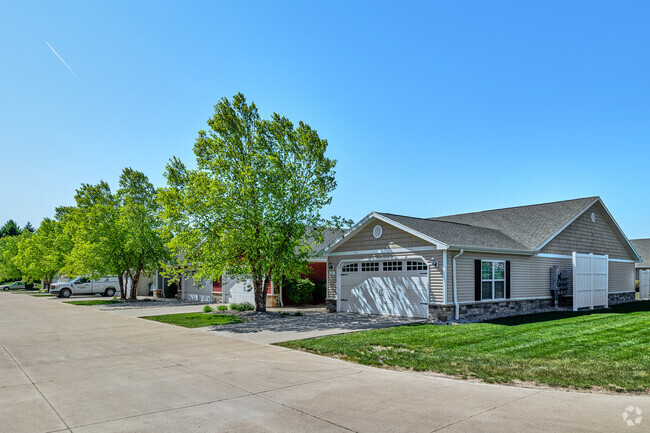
<point>95,233</point>
<point>8,251</point>
<point>42,255</point>
<point>10,228</point>
<point>144,249</point>
<point>258,186</point>
<point>29,228</point>
<point>115,233</point>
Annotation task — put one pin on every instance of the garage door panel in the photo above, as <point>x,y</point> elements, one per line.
<point>395,293</point>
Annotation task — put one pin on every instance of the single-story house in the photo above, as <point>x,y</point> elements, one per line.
<point>231,289</point>
<point>642,247</point>
<point>490,263</point>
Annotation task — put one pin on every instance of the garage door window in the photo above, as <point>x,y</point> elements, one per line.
<point>416,266</point>
<point>392,266</point>
<point>352,267</point>
<point>493,279</point>
<point>370,267</point>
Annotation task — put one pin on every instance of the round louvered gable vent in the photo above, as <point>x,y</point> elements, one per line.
<point>377,231</point>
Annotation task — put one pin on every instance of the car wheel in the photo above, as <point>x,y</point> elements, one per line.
<point>109,292</point>
<point>6,289</point>
<point>65,293</point>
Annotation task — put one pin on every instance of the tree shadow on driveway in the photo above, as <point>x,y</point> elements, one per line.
<point>315,322</point>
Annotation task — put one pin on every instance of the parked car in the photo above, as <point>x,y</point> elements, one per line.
<point>85,286</point>
<point>15,285</point>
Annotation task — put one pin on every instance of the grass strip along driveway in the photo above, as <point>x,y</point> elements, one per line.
<point>95,302</point>
<point>195,320</point>
<point>607,349</point>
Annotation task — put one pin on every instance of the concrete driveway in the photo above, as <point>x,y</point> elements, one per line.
<point>68,368</point>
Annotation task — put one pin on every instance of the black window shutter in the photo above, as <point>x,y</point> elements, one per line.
<point>477,280</point>
<point>508,279</point>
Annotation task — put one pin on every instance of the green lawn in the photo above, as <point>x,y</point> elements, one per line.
<point>608,348</point>
<point>95,302</point>
<point>195,320</point>
<point>42,294</point>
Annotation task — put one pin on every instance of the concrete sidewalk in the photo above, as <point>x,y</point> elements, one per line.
<point>74,369</point>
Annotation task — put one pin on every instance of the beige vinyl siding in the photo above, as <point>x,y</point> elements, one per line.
<point>435,273</point>
<point>529,276</point>
<point>621,277</point>
<point>584,236</point>
<point>391,238</point>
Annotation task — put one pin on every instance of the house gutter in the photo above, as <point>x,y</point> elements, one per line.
<point>456,306</point>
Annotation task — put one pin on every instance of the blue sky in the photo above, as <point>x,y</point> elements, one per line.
<point>431,108</point>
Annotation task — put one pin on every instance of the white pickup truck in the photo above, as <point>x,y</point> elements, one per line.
<point>85,286</point>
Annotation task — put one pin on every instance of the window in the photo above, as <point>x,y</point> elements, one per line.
<point>352,267</point>
<point>369,266</point>
<point>416,265</point>
<point>392,266</point>
<point>493,279</point>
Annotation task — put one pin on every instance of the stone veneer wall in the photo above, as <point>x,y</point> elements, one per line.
<point>477,311</point>
<point>622,297</point>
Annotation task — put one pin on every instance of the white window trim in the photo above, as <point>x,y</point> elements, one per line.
<point>493,280</point>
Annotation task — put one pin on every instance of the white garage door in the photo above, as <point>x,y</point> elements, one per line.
<point>237,291</point>
<point>387,287</point>
<point>590,280</point>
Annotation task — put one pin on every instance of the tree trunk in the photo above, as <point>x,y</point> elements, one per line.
<point>120,279</point>
<point>134,284</point>
<point>260,294</point>
<point>46,284</point>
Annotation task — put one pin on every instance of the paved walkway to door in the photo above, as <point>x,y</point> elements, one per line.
<point>65,368</point>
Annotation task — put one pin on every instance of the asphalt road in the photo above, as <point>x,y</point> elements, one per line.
<point>70,368</point>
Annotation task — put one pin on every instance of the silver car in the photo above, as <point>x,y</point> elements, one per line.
<point>13,286</point>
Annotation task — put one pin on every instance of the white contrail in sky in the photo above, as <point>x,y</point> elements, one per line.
<point>57,54</point>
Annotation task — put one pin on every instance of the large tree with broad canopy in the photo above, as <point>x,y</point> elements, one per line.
<point>258,185</point>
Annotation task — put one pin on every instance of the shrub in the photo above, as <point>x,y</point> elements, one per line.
<point>300,291</point>
<point>222,307</point>
<point>242,307</point>
<point>320,291</point>
<point>298,313</point>
<point>207,309</point>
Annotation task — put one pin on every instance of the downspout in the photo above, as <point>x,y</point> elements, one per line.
<point>456,306</point>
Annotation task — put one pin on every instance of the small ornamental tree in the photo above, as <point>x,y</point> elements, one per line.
<point>258,186</point>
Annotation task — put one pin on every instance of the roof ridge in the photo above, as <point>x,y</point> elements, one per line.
<point>458,224</point>
<point>515,207</point>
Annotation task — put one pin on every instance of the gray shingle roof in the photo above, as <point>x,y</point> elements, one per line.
<point>642,247</point>
<point>457,234</point>
<point>529,225</point>
<point>329,237</point>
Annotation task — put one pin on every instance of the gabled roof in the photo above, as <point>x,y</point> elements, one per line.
<point>530,225</point>
<point>456,234</point>
<point>642,247</point>
<point>521,229</point>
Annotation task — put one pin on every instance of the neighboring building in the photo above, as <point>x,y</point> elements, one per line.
<point>496,262</point>
<point>642,246</point>
<point>231,290</point>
